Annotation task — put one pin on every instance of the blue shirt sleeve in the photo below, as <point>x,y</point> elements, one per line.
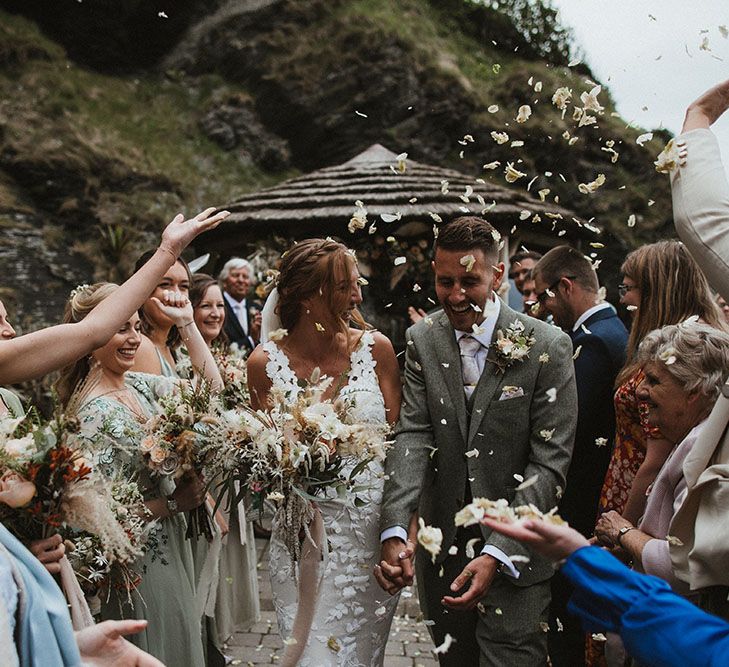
<point>657,626</point>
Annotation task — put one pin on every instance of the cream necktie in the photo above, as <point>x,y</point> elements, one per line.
<point>469,366</point>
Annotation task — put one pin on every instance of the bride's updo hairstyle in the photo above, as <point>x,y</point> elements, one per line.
<point>311,266</point>
<point>82,301</point>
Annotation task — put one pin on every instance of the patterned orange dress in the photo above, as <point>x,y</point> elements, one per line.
<point>632,432</point>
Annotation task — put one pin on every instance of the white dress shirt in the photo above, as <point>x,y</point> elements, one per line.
<point>589,313</point>
<point>483,335</point>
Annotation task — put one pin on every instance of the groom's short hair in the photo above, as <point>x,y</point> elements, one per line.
<point>468,233</point>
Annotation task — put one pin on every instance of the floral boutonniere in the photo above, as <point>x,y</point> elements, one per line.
<point>510,346</point>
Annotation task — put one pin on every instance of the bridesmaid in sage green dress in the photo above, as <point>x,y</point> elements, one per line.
<point>114,403</point>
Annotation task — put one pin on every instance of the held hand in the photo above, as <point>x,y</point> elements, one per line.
<point>176,306</point>
<point>608,528</point>
<point>478,575</point>
<point>49,552</point>
<point>104,645</point>
<point>704,111</point>
<point>189,492</point>
<point>553,542</point>
<point>180,232</point>
<point>395,569</point>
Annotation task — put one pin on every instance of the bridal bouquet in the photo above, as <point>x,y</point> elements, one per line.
<point>47,487</point>
<point>173,441</point>
<point>303,448</point>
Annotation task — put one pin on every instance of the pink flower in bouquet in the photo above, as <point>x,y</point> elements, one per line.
<point>157,454</point>
<point>15,490</point>
<point>147,443</point>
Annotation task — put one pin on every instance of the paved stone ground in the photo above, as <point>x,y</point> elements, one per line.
<point>409,644</point>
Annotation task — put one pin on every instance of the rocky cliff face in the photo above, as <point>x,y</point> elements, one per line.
<point>122,113</point>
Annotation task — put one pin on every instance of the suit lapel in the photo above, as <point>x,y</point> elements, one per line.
<point>449,358</point>
<point>491,377</point>
<point>233,318</point>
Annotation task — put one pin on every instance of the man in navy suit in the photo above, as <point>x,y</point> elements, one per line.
<point>567,288</point>
<point>242,322</point>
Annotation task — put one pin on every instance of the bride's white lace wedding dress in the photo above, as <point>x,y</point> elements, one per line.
<point>353,614</point>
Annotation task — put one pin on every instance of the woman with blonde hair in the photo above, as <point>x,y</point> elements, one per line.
<point>112,404</point>
<point>662,284</point>
<point>316,302</point>
<point>40,629</point>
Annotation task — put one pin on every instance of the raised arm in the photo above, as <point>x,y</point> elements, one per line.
<point>700,189</point>
<point>179,309</point>
<point>41,352</point>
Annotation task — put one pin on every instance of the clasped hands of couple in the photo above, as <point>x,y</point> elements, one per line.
<point>395,571</point>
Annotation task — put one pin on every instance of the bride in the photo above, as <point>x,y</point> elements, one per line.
<point>316,298</point>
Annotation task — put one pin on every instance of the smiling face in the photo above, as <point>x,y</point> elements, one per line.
<point>238,283</point>
<point>117,356</point>
<point>175,280</point>
<point>210,313</point>
<point>6,330</point>
<point>463,293</point>
<point>670,408</point>
<point>519,271</point>
<point>339,305</point>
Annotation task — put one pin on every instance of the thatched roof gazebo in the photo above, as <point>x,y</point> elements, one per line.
<point>323,201</point>
<point>403,200</point>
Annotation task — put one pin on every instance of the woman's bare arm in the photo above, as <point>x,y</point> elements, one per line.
<point>259,384</point>
<point>41,352</point>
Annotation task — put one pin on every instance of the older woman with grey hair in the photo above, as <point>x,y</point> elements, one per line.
<point>685,366</point>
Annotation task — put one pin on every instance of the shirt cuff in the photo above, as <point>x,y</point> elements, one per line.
<point>395,531</point>
<point>495,552</point>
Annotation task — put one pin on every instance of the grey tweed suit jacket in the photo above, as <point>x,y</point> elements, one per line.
<point>428,470</point>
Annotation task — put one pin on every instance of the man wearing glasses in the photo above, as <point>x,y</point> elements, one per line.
<point>567,288</point>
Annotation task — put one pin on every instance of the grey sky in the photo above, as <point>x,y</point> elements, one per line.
<point>622,45</point>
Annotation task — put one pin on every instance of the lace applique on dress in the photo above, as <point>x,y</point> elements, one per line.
<point>352,610</point>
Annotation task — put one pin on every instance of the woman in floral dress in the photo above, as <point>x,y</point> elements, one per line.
<point>113,405</point>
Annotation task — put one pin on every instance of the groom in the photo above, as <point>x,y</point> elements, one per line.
<point>478,420</point>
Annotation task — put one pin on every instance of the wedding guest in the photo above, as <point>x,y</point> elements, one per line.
<point>684,369</point>
<point>700,552</point>
<point>521,265</point>
<point>42,624</point>
<point>662,284</point>
<point>529,298</point>
<point>237,605</point>
<point>160,337</point>
<point>113,404</point>
<point>241,325</point>
<point>470,424</point>
<point>316,301</point>
<point>659,628</point>
<point>567,288</point>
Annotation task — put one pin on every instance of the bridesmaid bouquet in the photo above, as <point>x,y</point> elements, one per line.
<point>101,567</point>
<point>47,487</point>
<point>231,361</point>
<point>174,441</point>
<point>300,450</point>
